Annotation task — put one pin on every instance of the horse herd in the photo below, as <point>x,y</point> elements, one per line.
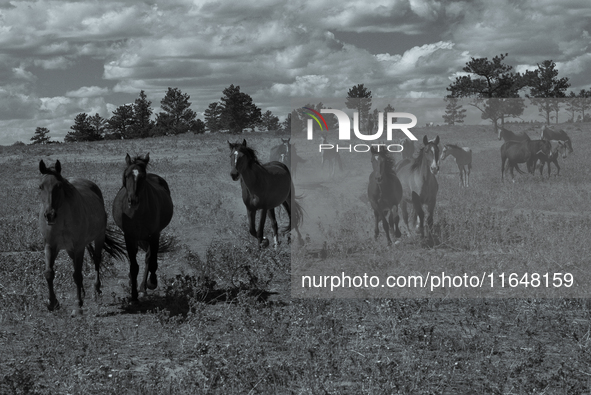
<point>72,214</point>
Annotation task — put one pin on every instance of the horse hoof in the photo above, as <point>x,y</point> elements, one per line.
<point>76,312</point>
<point>264,243</point>
<point>152,281</point>
<point>397,242</point>
<point>53,305</point>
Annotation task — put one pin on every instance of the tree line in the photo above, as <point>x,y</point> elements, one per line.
<point>235,112</point>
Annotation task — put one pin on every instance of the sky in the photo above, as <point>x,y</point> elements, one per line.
<point>62,58</point>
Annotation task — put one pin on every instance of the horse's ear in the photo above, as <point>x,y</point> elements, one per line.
<point>437,140</point>
<point>229,144</point>
<point>147,158</point>
<point>42,167</point>
<point>425,140</point>
<point>128,160</point>
<point>244,142</point>
<point>58,167</point>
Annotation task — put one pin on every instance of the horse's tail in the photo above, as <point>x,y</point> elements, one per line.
<point>297,212</point>
<point>114,244</point>
<point>165,244</point>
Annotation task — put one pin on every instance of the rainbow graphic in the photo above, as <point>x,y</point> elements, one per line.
<point>315,114</point>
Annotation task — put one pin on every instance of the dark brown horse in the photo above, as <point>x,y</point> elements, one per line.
<point>264,187</point>
<point>507,135</point>
<point>419,183</point>
<point>72,216</point>
<point>142,209</point>
<point>551,134</point>
<point>384,192</point>
<point>528,151</point>
<point>286,153</point>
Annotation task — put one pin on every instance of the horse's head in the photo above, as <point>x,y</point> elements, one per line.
<point>431,153</point>
<point>561,148</point>
<point>286,145</point>
<point>237,158</point>
<point>134,178</point>
<point>52,190</point>
<point>379,163</point>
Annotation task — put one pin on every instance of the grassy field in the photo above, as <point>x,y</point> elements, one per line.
<point>230,318</point>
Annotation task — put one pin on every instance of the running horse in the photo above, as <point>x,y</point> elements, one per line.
<point>286,153</point>
<point>279,153</point>
<point>463,156</point>
<point>330,154</point>
<point>71,217</point>
<point>264,187</point>
<point>384,192</point>
<point>419,184</point>
<point>142,209</point>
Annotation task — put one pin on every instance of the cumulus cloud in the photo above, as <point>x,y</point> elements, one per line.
<point>88,91</point>
<point>274,50</point>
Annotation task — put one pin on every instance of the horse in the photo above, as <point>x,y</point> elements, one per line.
<point>558,148</point>
<point>463,157</point>
<point>408,148</point>
<point>560,135</point>
<point>142,209</point>
<point>330,155</point>
<point>384,192</point>
<point>280,152</point>
<point>72,216</point>
<point>507,135</point>
<point>419,183</point>
<point>527,151</point>
<point>264,187</point>
<point>286,153</point>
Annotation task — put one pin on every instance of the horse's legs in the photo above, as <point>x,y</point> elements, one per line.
<point>49,273</point>
<point>271,213</point>
<point>287,205</point>
<point>377,218</point>
<point>416,202</point>
<point>151,264</point>
<point>132,247</point>
<point>555,161</point>
<point>503,159</point>
<point>78,260</point>
<point>468,175</point>
<point>395,219</point>
<point>97,257</point>
<point>261,230</point>
<point>251,213</point>
<point>461,168</point>
<point>404,208</point>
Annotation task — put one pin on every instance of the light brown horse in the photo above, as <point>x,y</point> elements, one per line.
<point>385,193</point>
<point>72,215</point>
<point>419,184</point>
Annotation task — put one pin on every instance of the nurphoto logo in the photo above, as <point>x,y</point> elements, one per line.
<point>345,129</point>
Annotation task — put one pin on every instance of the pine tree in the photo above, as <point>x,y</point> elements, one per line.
<point>40,136</point>
<point>454,113</point>
<point>238,110</point>
<point>177,116</point>
<point>142,112</point>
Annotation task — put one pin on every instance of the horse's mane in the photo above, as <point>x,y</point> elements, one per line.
<point>453,146</point>
<point>249,153</point>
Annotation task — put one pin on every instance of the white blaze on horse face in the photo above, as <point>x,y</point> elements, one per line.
<point>136,173</point>
<point>235,157</point>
